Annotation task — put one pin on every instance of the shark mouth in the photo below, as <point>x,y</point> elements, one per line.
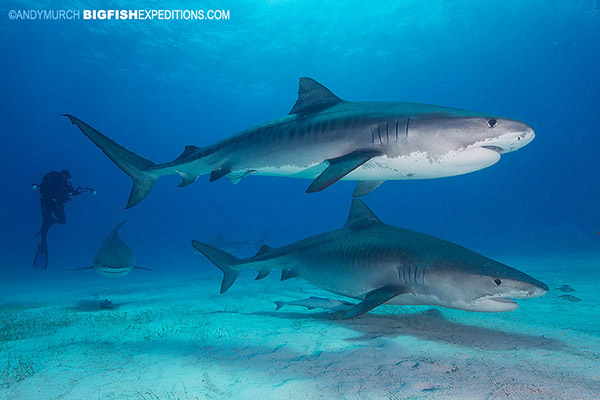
<point>495,303</point>
<point>497,149</point>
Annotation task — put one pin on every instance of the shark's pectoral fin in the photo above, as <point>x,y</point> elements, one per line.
<point>219,173</point>
<point>82,268</point>
<point>145,269</point>
<point>373,299</point>
<point>340,167</point>
<point>363,188</point>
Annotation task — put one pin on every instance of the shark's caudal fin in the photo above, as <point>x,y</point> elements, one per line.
<point>225,261</point>
<point>133,165</point>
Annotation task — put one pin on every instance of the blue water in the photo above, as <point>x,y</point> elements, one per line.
<point>155,86</point>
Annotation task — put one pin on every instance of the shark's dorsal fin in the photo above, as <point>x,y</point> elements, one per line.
<point>115,232</point>
<point>263,249</point>
<point>189,149</point>
<point>361,216</point>
<point>313,97</point>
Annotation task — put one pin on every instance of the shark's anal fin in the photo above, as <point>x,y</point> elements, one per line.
<point>145,269</point>
<point>373,299</point>
<point>261,275</point>
<point>82,268</point>
<point>363,188</point>
<point>186,179</point>
<point>340,167</point>
<point>313,97</point>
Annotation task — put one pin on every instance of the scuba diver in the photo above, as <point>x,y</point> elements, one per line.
<point>55,191</point>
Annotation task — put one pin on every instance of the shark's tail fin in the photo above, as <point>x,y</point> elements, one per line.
<point>133,165</point>
<point>221,259</point>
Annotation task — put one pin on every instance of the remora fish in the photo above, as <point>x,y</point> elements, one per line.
<point>379,263</point>
<point>327,139</point>
<point>332,305</point>
<point>114,258</point>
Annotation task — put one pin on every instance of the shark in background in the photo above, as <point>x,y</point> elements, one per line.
<point>233,246</point>
<point>114,258</point>
<point>378,263</point>
<point>327,139</point>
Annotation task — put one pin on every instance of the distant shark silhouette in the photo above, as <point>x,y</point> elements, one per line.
<point>326,139</point>
<point>383,264</point>
<point>114,258</point>
<point>232,245</point>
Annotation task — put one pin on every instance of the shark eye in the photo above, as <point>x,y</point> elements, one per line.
<point>498,282</point>
<point>492,123</point>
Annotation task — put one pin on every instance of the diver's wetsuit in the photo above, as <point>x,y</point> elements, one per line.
<point>56,190</point>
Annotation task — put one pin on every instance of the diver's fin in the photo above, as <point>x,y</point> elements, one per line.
<point>288,274</point>
<point>261,274</point>
<point>145,269</point>
<point>219,173</point>
<point>373,299</point>
<point>133,165</point>
<point>82,268</point>
<point>360,216</point>
<point>313,97</point>
<point>339,167</point>
<point>186,179</point>
<point>221,259</point>
<point>40,261</point>
<point>363,188</point>
<point>189,149</point>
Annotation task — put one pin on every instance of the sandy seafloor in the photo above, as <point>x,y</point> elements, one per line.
<point>175,337</point>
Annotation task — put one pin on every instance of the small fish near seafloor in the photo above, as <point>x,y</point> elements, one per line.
<point>570,298</point>
<point>114,258</point>
<point>327,139</point>
<point>377,263</point>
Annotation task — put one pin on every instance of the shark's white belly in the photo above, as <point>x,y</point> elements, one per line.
<point>416,165</point>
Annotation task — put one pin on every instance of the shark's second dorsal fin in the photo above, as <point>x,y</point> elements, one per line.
<point>313,97</point>
<point>361,216</point>
<point>189,149</point>
<point>263,249</point>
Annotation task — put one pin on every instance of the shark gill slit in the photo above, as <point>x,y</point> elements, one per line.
<point>415,273</point>
<point>407,123</point>
<point>379,134</point>
<point>396,129</point>
<point>387,133</point>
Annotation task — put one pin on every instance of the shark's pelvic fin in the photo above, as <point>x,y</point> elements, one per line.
<point>133,165</point>
<point>221,259</point>
<point>373,299</point>
<point>360,216</point>
<point>236,177</point>
<point>363,188</point>
<point>313,97</point>
<point>219,173</point>
<point>339,167</point>
<point>288,274</point>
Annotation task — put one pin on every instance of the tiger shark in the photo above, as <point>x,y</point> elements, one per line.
<point>114,258</point>
<point>327,139</point>
<point>378,263</point>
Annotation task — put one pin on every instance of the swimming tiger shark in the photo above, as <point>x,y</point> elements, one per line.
<point>327,139</point>
<point>378,263</point>
<point>114,258</point>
